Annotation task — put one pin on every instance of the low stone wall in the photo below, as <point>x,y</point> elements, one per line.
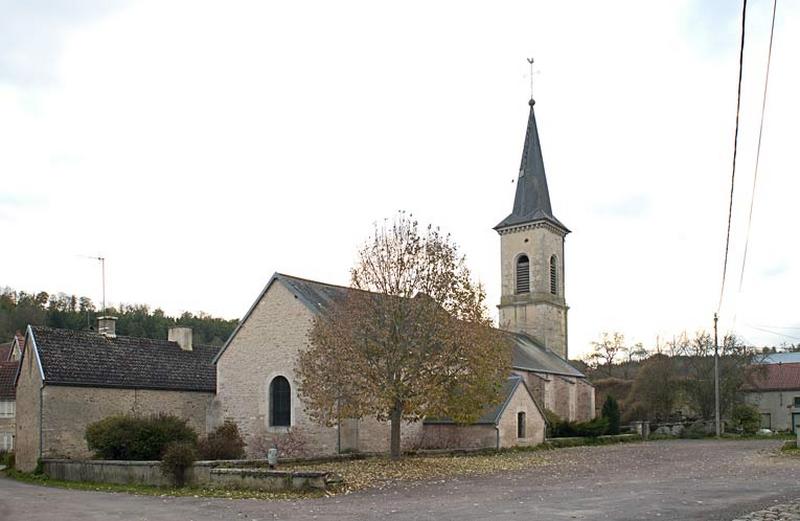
<point>577,441</point>
<point>202,473</point>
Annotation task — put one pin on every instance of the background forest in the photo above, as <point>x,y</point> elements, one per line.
<point>18,309</point>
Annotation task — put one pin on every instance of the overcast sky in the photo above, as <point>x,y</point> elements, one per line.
<point>200,147</point>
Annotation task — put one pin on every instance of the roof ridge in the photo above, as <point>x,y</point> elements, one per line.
<point>328,284</point>
<point>94,332</point>
<point>286,275</point>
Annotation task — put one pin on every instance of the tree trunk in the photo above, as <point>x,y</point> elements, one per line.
<point>397,417</point>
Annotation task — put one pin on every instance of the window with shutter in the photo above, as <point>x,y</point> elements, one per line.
<point>523,274</point>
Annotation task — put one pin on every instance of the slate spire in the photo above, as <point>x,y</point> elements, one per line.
<point>532,199</point>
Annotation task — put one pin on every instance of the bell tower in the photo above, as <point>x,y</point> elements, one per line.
<point>532,255</point>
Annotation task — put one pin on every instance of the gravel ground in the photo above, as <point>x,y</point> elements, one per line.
<point>675,480</point>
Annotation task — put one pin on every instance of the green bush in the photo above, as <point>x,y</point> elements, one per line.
<point>746,417</point>
<point>695,431</point>
<point>590,429</point>
<point>178,457</point>
<point>224,443</point>
<point>611,413</point>
<point>135,438</point>
<point>593,428</point>
<point>7,458</point>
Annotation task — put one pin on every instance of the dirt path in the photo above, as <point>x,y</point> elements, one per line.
<point>680,480</point>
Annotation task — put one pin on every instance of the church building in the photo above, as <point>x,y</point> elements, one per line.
<point>256,385</point>
<point>67,379</point>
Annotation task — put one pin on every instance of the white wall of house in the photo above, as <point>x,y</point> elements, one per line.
<point>779,405</point>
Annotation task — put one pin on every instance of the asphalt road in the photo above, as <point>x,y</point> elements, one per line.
<point>675,480</point>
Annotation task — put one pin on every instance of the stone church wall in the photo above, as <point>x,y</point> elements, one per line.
<point>569,397</point>
<point>534,421</point>
<point>266,346</point>
<point>538,313</point>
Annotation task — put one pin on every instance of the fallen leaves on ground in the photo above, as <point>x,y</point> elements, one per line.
<point>382,471</point>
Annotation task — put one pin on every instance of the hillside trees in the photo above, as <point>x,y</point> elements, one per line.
<point>699,382</point>
<point>416,341</point>
<point>19,309</point>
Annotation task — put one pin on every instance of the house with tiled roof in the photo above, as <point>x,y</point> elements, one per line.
<point>774,389</point>
<point>9,362</point>
<point>68,379</point>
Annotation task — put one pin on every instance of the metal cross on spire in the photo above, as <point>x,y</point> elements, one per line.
<point>530,62</point>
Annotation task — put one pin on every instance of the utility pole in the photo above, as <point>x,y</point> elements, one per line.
<point>716,377</point>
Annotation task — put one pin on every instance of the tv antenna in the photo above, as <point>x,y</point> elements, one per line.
<point>102,274</point>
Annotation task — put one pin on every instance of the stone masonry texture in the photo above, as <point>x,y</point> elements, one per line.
<point>267,346</point>
<point>28,406</point>
<point>538,313</point>
<point>67,411</point>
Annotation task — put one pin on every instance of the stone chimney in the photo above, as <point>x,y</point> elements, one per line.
<point>107,326</point>
<point>181,335</point>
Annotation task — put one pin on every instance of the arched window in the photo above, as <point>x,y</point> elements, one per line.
<point>520,425</point>
<point>523,274</point>
<point>554,275</point>
<point>280,402</point>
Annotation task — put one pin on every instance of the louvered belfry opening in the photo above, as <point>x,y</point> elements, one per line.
<point>554,275</point>
<point>280,402</point>
<point>523,274</point>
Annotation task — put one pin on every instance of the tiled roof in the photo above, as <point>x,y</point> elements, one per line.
<point>773,377</point>
<point>5,351</point>
<point>86,358</point>
<point>527,352</point>
<point>490,415</point>
<point>529,355</point>
<point>8,372</point>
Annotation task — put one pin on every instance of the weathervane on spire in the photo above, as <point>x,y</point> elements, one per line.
<point>530,62</point>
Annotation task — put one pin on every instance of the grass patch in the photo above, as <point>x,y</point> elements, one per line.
<point>146,490</point>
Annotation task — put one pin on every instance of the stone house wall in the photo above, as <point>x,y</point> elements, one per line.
<point>27,439</point>
<point>67,411</point>
<point>778,404</point>
<point>7,429</point>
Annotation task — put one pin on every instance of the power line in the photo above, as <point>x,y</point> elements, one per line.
<point>758,149</point>
<point>733,168</point>
<point>765,330</point>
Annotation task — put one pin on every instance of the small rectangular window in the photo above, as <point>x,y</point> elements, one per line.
<point>7,408</point>
<point>797,401</point>
<point>520,425</point>
<point>6,441</point>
